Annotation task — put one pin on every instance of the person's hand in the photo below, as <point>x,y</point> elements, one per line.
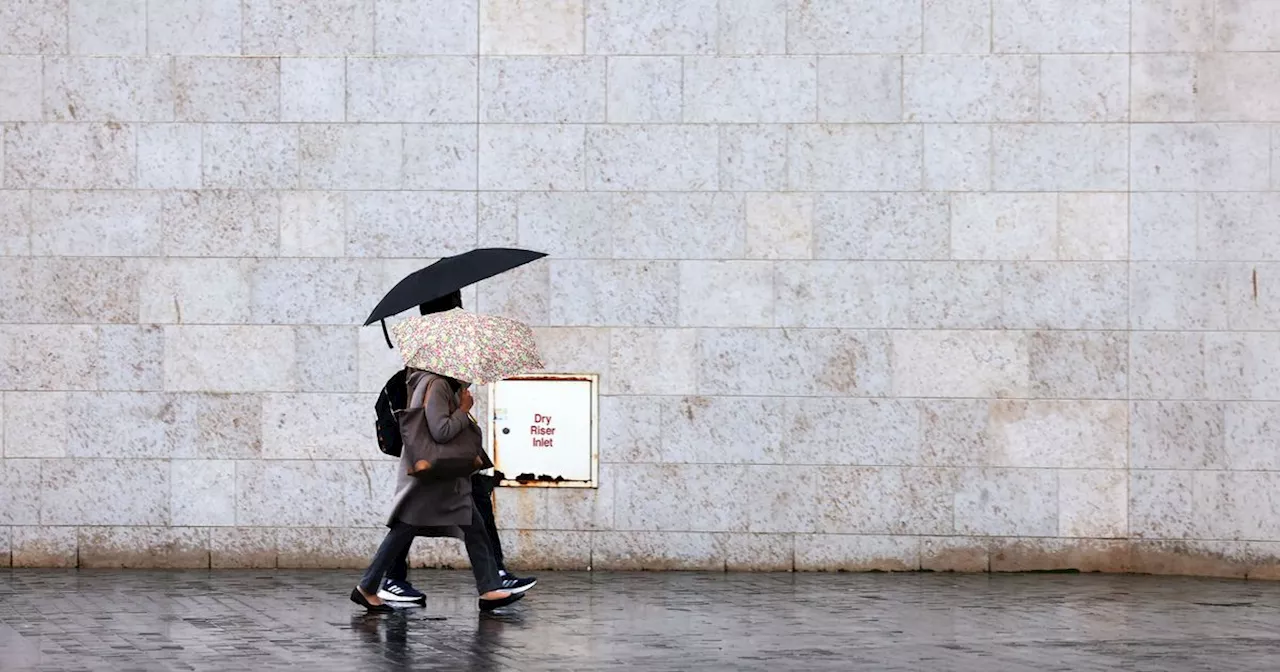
<point>466,401</point>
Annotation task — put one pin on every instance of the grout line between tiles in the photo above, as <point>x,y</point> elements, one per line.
<point>718,36</point>
<point>712,124</point>
<point>479,93</point>
<point>1128,378</point>
<point>991,27</point>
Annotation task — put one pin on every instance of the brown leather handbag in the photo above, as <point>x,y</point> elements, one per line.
<point>423,455</point>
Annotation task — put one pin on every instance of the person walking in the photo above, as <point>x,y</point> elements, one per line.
<point>395,586</point>
<point>436,507</point>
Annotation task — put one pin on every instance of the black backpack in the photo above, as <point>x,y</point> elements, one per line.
<point>394,397</point>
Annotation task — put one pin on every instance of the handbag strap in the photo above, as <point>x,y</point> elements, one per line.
<point>420,391</point>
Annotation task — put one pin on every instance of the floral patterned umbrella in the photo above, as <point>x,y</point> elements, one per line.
<point>478,349</point>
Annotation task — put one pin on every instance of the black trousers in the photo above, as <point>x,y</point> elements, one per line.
<point>482,497</point>
<point>401,535</point>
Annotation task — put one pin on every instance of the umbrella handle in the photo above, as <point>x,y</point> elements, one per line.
<point>386,335</point>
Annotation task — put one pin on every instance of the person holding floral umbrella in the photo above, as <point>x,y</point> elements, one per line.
<point>446,353</point>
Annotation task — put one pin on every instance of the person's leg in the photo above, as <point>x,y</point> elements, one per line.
<point>482,496</point>
<point>482,564</point>
<point>393,545</point>
<point>399,570</point>
<point>396,587</point>
<point>493,593</point>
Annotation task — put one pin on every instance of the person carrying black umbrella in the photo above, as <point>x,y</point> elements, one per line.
<point>437,288</point>
<point>396,586</point>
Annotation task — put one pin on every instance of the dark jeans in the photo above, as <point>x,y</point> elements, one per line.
<point>482,497</point>
<point>396,544</point>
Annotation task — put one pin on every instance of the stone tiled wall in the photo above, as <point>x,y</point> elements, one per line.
<point>942,284</point>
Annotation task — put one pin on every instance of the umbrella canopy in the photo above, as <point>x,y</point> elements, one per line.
<point>478,349</point>
<point>449,275</point>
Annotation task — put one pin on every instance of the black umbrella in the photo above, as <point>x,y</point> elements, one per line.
<point>446,276</point>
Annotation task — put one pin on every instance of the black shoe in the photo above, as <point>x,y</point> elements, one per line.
<point>360,599</point>
<point>401,592</point>
<point>516,585</point>
<point>490,605</point>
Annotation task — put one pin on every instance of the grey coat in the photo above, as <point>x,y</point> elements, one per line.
<point>438,506</point>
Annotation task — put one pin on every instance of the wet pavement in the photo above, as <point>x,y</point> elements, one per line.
<point>133,620</point>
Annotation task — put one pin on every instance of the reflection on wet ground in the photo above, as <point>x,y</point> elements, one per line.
<point>133,620</point>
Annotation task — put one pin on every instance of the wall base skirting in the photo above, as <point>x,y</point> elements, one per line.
<point>544,550</point>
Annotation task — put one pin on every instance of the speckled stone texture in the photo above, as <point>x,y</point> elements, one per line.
<point>869,284</point>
